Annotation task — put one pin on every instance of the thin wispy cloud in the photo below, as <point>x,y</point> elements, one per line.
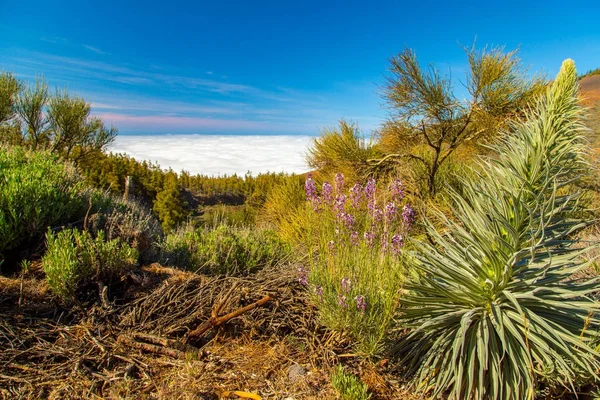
<point>95,50</point>
<point>155,99</point>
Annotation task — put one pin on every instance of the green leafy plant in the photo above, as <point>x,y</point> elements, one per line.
<point>36,191</point>
<point>349,386</point>
<point>223,250</point>
<point>74,258</point>
<point>495,310</point>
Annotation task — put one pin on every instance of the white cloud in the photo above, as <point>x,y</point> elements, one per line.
<point>218,154</point>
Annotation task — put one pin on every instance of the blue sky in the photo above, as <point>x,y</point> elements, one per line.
<point>268,67</point>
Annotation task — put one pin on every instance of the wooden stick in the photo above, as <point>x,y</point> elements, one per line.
<point>215,321</point>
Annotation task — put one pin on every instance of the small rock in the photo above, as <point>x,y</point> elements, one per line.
<point>295,372</point>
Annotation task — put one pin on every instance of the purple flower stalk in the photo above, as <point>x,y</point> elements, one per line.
<point>346,284</point>
<point>390,211</point>
<point>361,303</point>
<point>369,238</point>
<point>354,238</point>
<point>397,190</point>
<point>408,215</point>
<point>319,291</point>
<point>370,190</point>
<point>310,187</point>
<point>356,195</point>
<point>302,276</point>
<point>342,301</point>
<point>339,182</point>
<point>327,192</point>
<point>377,214</point>
<point>339,205</point>
<point>347,219</point>
<point>331,244</point>
<point>397,243</point>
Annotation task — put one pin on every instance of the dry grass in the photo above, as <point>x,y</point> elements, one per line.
<point>62,353</point>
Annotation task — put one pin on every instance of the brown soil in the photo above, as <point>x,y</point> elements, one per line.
<point>134,346</point>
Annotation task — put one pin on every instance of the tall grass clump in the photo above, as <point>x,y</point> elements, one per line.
<point>74,258</point>
<point>36,191</point>
<point>495,311</point>
<point>224,249</point>
<point>355,257</point>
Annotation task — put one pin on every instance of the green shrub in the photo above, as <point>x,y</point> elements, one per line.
<point>36,191</point>
<point>496,310</point>
<point>244,215</point>
<point>284,209</point>
<point>125,220</point>
<point>356,257</point>
<point>349,386</point>
<point>223,249</point>
<point>73,258</point>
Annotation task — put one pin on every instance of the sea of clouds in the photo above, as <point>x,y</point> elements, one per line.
<point>218,154</point>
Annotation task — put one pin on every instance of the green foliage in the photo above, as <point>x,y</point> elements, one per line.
<point>223,250</point>
<point>125,220</point>
<point>284,209</point>
<point>29,106</point>
<point>36,191</point>
<point>348,386</point>
<point>591,72</point>
<point>9,88</point>
<point>356,259</point>
<point>244,215</point>
<point>75,134</point>
<point>495,310</point>
<point>429,123</point>
<point>73,258</point>
<point>342,150</point>
<point>169,204</point>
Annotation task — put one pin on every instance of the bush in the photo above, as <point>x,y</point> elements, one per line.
<point>356,257</point>
<point>348,386</point>
<point>36,191</point>
<point>284,209</point>
<point>126,220</point>
<point>74,258</point>
<point>223,250</point>
<point>496,310</point>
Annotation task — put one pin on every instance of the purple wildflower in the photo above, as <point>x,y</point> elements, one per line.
<point>339,182</point>
<point>331,244</point>
<point>354,238</point>
<point>356,195</point>
<point>377,214</point>
<point>397,190</point>
<point>339,204</point>
<point>327,192</point>
<point>346,284</point>
<point>408,214</point>
<point>319,291</point>
<point>369,238</point>
<point>302,276</point>
<point>397,243</point>
<point>342,301</point>
<point>370,190</point>
<point>310,188</point>
<point>361,303</point>
<point>348,219</point>
<point>390,211</point>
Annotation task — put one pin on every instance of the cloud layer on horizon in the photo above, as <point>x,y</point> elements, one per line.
<point>218,154</point>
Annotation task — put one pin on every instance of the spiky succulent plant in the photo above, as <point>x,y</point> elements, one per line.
<point>495,309</point>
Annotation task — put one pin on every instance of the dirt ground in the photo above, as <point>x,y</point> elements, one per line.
<point>138,342</point>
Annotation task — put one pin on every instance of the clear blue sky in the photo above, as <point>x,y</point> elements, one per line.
<point>272,67</point>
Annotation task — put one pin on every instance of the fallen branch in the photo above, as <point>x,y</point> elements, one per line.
<point>215,321</point>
